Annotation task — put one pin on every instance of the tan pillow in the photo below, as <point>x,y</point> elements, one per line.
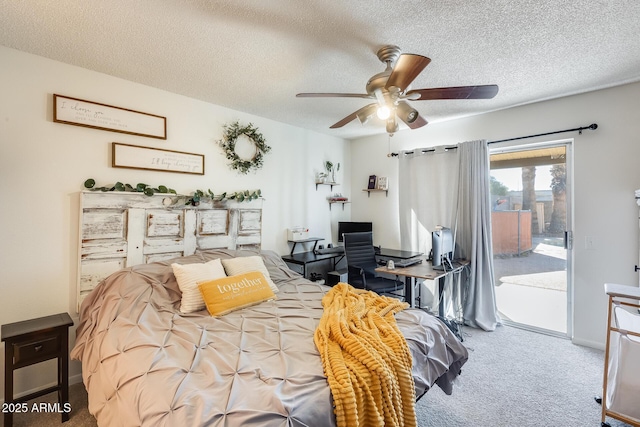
<point>245,264</point>
<point>223,296</point>
<point>188,276</point>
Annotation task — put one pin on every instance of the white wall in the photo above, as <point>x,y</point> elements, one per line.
<point>606,173</point>
<point>44,164</point>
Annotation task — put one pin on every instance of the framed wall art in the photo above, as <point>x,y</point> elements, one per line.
<point>79,112</point>
<point>383,183</point>
<point>138,157</point>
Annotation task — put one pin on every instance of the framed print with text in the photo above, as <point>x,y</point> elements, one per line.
<point>148,158</point>
<point>79,112</point>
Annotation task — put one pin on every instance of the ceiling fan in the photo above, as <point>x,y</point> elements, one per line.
<point>390,90</point>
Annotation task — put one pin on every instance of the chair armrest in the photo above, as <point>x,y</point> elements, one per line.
<point>355,270</point>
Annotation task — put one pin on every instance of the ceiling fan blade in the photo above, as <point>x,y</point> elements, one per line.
<point>407,68</point>
<point>333,95</point>
<point>460,92</point>
<point>364,113</point>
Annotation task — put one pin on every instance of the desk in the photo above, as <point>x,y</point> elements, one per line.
<point>425,271</point>
<point>310,257</point>
<point>306,258</point>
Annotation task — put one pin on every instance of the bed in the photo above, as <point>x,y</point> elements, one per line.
<point>145,362</point>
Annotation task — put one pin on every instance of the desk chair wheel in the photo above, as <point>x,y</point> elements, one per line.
<point>603,424</point>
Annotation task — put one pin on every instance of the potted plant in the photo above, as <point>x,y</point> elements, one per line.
<point>331,169</point>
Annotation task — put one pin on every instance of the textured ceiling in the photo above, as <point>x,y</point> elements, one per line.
<point>254,56</point>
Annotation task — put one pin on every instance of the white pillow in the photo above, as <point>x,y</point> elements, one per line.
<point>188,276</point>
<point>246,264</point>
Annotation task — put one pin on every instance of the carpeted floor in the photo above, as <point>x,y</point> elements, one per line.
<point>80,416</point>
<point>514,378</point>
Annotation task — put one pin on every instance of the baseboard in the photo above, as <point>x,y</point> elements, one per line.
<point>75,379</point>
<point>587,343</point>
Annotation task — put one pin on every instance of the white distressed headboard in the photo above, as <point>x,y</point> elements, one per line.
<point>121,229</point>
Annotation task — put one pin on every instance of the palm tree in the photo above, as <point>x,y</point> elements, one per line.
<point>529,195</point>
<point>558,222</point>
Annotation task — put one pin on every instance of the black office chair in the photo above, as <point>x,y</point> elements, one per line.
<point>361,262</point>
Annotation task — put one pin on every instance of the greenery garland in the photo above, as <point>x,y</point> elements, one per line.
<point>228,144</point>
<point>194,199</point>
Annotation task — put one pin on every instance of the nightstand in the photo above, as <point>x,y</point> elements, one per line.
<point>34,341</point>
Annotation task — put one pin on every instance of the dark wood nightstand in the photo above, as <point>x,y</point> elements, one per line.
<point>34,341</point>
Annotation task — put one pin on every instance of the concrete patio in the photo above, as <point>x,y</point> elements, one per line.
<point>531,289</point>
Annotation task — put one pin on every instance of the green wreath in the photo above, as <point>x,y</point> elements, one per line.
<point>228,144</point>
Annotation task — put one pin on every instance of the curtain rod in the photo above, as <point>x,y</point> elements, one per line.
<point>592,126</point>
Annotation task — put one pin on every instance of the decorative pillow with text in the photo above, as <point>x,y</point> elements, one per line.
<point>245,264</point>
<point>231,293</point>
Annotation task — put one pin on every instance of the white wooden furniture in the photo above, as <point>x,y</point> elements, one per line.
<point>621,378</point>
<point>122,229</point>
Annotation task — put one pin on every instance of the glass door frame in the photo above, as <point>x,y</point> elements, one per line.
<point>510,147</point>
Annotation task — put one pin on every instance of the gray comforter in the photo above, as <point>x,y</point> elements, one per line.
<point>145,363</point>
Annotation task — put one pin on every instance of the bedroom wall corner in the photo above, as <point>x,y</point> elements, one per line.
<point>44,164</point>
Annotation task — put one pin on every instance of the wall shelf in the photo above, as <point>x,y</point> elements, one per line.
<point>342,202</point>
<point>330,184</point>
<point>376,190</point>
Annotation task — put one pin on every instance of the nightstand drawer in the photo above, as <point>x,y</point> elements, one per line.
<point>24,352</point>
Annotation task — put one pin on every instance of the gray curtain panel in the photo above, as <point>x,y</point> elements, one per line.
<point>473,234</point>
<point>451,188</point>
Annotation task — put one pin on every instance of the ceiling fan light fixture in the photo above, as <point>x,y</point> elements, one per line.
<point>383,112</point>
<point>407,113</point>
<point>365,113</point>
<point>392,126</point>
<point>363,117</point>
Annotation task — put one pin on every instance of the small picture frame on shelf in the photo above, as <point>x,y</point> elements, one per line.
<point>383,183</point>
<point>372,182</point>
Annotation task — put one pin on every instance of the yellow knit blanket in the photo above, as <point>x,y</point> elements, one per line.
<point>366,359</point>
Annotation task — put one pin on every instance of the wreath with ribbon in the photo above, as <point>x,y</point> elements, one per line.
<point>228,144</point>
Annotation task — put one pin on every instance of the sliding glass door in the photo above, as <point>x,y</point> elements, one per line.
<point>531,231</point>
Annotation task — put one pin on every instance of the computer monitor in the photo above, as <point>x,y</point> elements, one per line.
<point>352,227</point>
<point>442,248</point>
